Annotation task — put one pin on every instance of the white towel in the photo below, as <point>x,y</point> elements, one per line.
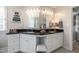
<point>41,48</point>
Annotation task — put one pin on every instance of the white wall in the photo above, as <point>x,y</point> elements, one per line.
<point>3,42</point>
<point>66,16</point>
<point>10,13</point>
<point>24,18</point>
<point>3,36</point>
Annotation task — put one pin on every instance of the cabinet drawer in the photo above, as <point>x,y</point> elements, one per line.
<point>13,38</point>
<point>26,37</point>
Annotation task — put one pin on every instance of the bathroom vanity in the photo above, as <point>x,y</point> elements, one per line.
<point>29,37</point>
<point>26,41</point>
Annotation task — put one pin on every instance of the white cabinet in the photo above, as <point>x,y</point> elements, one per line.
<point>27,43</point>
<point>54,41</point>
<point>13,43</point>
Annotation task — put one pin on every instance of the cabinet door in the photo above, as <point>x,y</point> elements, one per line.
<point>54,41</point>
<point>49,43</point>
<point>27,43</point>
<point>59,40</point>
<point>13,43</point>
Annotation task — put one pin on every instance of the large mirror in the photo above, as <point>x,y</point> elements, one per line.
<point>39,16</point>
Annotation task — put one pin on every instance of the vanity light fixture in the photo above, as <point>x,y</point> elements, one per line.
<point>45,11</point>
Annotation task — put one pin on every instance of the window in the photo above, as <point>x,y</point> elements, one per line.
<point>2,18</point>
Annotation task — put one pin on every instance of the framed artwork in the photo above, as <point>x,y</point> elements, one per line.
<point>16,17</point>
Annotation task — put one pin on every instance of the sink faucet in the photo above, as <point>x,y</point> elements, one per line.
<point>43,26</point>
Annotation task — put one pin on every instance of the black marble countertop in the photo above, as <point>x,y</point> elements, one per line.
<point>35,32</point>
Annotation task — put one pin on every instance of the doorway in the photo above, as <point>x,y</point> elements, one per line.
<point>76,29</point>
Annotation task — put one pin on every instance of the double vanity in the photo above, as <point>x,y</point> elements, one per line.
<point>28,41</point>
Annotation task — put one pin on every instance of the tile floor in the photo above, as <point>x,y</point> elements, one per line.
<point>76,46</point>
<point>62,50</point>
<point>59,50</point>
